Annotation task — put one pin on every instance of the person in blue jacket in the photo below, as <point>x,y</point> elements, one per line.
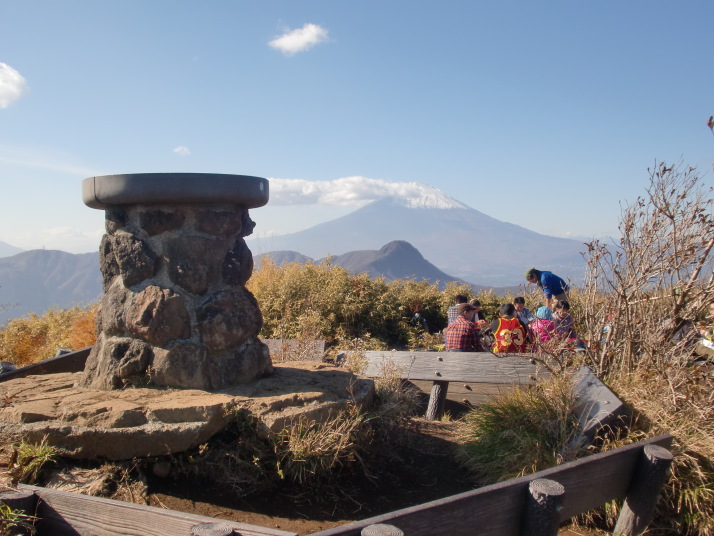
<point>555,288</point>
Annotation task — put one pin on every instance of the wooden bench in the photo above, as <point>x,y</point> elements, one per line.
<point>597,406</point>
<point>467,369</point>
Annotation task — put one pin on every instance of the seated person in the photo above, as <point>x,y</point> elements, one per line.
<point>509,333</point>
<point>479,312</point>
<point>564,323</point>
<point>542,329</point>
<point>453,311</point>
<point>565,326</point>
<point>462,335</point>
<point>522,312</point>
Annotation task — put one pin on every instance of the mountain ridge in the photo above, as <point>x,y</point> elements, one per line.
<point>463,242</point>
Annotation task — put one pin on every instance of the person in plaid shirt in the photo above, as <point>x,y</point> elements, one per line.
<point>453,311</point>
<point>462,335</point>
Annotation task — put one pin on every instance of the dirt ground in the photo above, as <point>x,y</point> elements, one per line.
<point>423,467</point>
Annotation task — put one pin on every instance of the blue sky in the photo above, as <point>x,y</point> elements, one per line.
<point>543,114</point>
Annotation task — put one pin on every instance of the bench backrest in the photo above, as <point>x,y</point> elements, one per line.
<point>469,367</point>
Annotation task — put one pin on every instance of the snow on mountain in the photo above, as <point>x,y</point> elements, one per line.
<point>357,192</point>
<point>418,195</point>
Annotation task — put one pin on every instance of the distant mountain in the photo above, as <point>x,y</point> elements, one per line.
<point>35,280</point>
<point>281,257</point>
<point>6,250</point>
<point>395,260</point>
<point>459,240</point>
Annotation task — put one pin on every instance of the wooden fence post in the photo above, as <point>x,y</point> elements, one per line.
<point>212,529</point>
<point>23,501</point>
<point>435,409</point>
<point>20,499</point>
<point>541,515</point>
<point>638,509</point>
<point>381,529</point>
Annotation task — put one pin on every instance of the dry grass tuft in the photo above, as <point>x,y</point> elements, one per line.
<point>522,432</point>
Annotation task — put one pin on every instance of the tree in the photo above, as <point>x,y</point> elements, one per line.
<point>645,293</point>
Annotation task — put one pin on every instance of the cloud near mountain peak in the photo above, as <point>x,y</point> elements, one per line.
<point>357,192</point>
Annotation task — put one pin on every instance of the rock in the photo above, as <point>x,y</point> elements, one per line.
<point>116,362</point>
<point>194,262</point>
<point>239,364</point>
<point>137,262</point>
<point>228,318</point>
<point>107,262</point>
<point>158,315</point>
<point>159,221</point>
<point>183,365</point>
<point>219,222</point>
<point>237,265</point>
<point>144,422</point>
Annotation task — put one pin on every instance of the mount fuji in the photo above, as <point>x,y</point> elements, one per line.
<point>456,238</point>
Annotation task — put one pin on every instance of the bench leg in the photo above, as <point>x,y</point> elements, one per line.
<point>435,409</point>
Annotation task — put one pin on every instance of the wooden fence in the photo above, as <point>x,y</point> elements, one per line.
<point>536,504</point>
<point>532,505</point>
<point>280,350</point>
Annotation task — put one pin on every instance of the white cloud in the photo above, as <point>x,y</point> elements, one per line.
<point>356,191</point>
<point>295,41</point>
<point>12,85</point>
<point>70,239</point>
<point>40,160</point>
<point>182,150</point>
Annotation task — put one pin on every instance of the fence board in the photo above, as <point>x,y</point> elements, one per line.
<point>71,362</point>
<point>465,367</point>
<point>63,513</point>
<point>496,510</point>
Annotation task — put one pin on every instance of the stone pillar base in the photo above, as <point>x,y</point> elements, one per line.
<point>175,310</point>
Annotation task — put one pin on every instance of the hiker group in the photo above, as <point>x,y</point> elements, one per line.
<point>516,329</point>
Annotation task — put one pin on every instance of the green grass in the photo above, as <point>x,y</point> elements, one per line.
<point>522,432</point>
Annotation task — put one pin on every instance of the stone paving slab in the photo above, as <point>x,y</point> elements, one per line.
<point>140,422</point>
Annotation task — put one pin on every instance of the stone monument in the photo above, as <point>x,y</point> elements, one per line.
<point>174,262</point>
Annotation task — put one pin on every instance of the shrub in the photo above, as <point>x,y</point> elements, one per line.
<point>34,337</point>
<point>642,300</point>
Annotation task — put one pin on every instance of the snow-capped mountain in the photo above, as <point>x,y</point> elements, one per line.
<point>457,239</point>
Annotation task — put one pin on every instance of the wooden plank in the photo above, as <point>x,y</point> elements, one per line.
<point>71,362</point>
<point>295,350</point>
<point>465,367</point>
<point>280,350</point>
<point>596,405</point>
<point>473,394</point>
<point>496,510</point>
<point>63,513</point>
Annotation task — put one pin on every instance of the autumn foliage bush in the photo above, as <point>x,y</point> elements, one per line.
<point>33,338</point>
<point>324,301</point>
